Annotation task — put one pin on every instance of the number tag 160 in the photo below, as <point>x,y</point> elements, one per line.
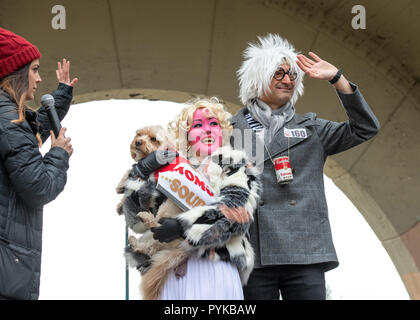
<point>295,133</point>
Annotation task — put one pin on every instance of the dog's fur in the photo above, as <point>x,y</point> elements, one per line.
<point>146,140</point>
<point>143,206</point>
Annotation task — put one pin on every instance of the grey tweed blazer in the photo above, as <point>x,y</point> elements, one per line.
<point>291,224</point>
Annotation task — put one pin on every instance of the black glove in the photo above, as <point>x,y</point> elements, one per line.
<point>169,230</point>
<point>154,161</point>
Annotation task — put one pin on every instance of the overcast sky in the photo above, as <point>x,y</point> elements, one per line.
<point>84,236</point>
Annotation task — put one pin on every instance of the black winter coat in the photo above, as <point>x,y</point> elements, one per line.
<point>28,181</point>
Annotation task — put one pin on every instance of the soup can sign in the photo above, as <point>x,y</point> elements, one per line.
<point>283,170</point>
<point>183,184</point>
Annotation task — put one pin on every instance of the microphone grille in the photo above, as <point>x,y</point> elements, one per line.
<point>47,100</point>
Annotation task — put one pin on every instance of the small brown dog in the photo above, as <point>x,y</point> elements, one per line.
<point>146,140</point>
<point>143,206</point>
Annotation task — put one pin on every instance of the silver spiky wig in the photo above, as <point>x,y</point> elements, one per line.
<point>261,61</point>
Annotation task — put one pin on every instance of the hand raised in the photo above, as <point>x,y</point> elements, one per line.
<point>63,73</point>
<point>316,68</point>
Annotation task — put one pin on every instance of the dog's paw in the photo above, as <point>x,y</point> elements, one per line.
<point>138,246</point>
<point>120,208</point>
<point>132,242</point>
<point>137,260</point>
<point>120,189</point>
<point>147,218</point>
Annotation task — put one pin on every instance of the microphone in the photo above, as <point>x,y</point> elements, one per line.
<point>47,102</point>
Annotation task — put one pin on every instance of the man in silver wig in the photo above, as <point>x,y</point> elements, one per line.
<point>291,234</point>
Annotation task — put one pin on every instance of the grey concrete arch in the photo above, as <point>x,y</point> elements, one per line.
<point>196,46</point>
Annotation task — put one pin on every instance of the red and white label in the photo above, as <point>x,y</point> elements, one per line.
<point>184,185</point>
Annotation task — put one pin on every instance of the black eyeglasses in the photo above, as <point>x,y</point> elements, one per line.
<point>280,73</point>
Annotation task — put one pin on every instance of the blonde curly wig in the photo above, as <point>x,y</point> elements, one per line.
<point>182,124</point>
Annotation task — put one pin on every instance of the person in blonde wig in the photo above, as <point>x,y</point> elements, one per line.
<point>182,124</point>
<point>221,257</point>
<point>291,235</point>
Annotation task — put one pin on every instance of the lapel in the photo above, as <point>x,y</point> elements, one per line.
<point>280,143</point>
<point>239,121</point>
<point>245,131</point>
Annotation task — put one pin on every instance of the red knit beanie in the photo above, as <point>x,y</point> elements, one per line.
<point>15,52</point>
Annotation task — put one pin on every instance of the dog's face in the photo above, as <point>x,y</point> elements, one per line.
<point>149,139</point>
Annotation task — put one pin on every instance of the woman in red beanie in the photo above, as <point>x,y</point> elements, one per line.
<point>28,181</point>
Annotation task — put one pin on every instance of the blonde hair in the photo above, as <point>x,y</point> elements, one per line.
<point>182,124</point>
